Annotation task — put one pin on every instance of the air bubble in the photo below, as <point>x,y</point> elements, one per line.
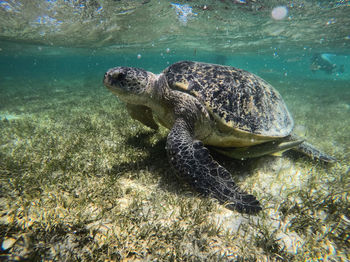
<point>279,12</point>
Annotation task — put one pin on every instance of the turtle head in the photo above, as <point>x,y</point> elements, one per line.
<point>128,83</point>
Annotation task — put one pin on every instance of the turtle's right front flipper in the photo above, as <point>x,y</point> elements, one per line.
<point>193,163</point>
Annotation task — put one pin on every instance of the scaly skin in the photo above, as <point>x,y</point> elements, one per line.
<point>193,163</point>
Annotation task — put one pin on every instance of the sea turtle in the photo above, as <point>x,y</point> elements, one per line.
<point>232,110</point>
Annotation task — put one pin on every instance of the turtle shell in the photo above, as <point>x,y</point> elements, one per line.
<point>234,97</point>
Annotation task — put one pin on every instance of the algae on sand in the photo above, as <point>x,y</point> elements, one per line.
<point>85,182</point>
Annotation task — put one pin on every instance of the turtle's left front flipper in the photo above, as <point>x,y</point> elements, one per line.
<point>192,162</point>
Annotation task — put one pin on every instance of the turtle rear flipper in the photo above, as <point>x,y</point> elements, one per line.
<point>194,164</point>
<point>276,147</point>
<point>311,151</point>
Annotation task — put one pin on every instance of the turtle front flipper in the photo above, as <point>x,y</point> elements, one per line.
<point>142,114</point>
<point>194,164</point>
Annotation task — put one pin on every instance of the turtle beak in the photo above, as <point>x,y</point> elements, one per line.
<point>105,79</point>
<point>111,78</point>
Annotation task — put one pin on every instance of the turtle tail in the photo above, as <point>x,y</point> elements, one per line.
<point>193,163</point>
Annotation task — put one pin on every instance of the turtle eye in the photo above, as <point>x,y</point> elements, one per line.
<point>120,76</point>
